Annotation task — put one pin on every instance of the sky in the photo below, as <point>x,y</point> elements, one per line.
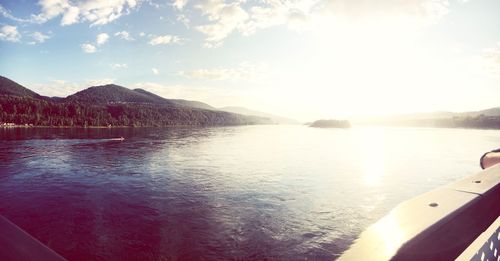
<point>296,58</point>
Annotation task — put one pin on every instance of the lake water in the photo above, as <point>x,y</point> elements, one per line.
<point>249,192</point>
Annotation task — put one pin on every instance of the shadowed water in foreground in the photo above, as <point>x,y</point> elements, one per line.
<point>252,192</point>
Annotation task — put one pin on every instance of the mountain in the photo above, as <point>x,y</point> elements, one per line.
<point>9,87</point>
<point>149,94</point>
<point>187,103</point>
<point>273,118</point>
<point>488,112</point>
<point>194,104</point>
<point>109,105</point>
<point>483,119</point>
<point>112,93</point>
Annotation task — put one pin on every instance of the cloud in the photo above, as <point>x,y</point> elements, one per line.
<point>56,88</point>
<point>124,35</point>
<point>119,66</point>
<point>96,12</point>
<point>246,17</point>
<point>97,82</point>
<point>63,88</point>
<point>183,19</point>
<point>6,13</point>
<point>179,4</point>
<point>9,33</point>
<point>275,13</point>
<point>39,37</point>
<point>88,48</point>
<point>102,38</point>
<point>212,96</point>
<point>71,15</point>
<point>245,71</point>
<point>224,19</point>
<point>155,71</point>
<point>165,39</point>
<point>53,8</point>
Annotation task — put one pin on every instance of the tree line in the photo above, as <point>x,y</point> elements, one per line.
<point>25,110</point>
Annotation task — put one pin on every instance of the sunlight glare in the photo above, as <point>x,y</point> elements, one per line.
<point>390,233</point>
<point>372,155</point>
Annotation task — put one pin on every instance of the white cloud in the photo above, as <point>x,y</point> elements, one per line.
<point>248,17</point>
<point>165,39</point>
<point>51,9</point>
<point>119,66</point>
<point>245,71</point>
<point>124,35</point>
<point>88,48</point>
<point>63,88</point>
<point>39,37</point>
<point>179,4</point>
<point>55,88</point>
<point>70,16</point>
<point>102,38</point>
<point>212,96</point>
<point>96,12</point>
<point>141,34</point>
<point>6,13</point>
<point>155,71</point>
<point>9,33</point>
<point>183,19</point>
<point>97,82</point>
<point>224,19</point>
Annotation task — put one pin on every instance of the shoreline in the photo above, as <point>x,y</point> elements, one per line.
<point>115,127</point>
<point>171,126</point>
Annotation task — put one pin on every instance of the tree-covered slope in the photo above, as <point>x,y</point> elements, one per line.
<point>108,105</point>
<point>24,110</point>
<point>9,87</point>
<point>180,102</point>
<point>112,93</point>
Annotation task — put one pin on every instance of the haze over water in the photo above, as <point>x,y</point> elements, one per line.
<point>248,192</point>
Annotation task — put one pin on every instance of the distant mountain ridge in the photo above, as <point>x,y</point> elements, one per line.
<point>494,112</point>
<point>482,119</point>
<point>273,118</point>
<point>109,105</point>
<point>488,112</point>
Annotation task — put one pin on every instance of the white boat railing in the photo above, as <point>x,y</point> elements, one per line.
<point>438,225</point>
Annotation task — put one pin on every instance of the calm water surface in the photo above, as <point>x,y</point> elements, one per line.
<point>252,192</point>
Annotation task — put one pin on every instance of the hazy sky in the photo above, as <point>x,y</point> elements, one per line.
<point>302,59</point>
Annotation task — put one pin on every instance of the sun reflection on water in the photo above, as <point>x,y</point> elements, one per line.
<point>371,142</point>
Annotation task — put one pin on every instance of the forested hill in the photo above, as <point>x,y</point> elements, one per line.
<point>112,93</point>
<point>108,105</point>
<point>9,87</point>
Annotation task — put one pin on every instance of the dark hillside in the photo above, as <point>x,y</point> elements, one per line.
<point>107,105</point>
<point>112,93</point>
<point>9,87</point>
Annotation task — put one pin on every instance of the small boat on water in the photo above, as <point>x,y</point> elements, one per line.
<point>120,139</point>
